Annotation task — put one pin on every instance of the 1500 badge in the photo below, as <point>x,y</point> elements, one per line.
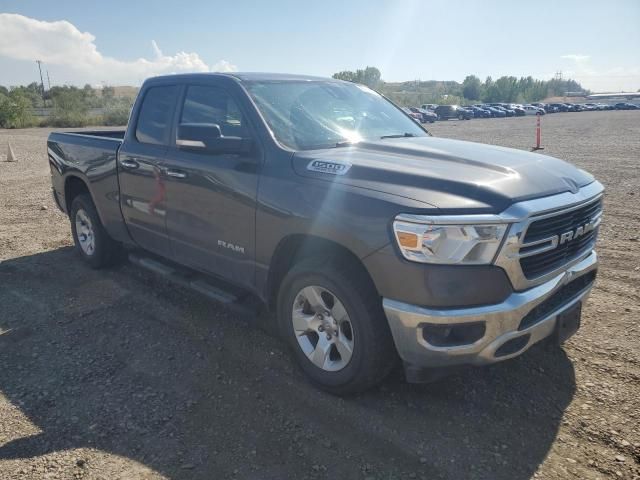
<point>332,168</point>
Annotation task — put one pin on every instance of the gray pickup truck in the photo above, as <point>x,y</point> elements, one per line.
<point>322,201</point>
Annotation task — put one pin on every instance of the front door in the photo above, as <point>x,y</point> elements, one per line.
<point>142,189</point>
<point>211,196</point>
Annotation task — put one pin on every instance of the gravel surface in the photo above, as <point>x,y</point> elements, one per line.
<point>116,374</point>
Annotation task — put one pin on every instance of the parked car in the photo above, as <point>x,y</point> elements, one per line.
<point>507,111</point>
<point>446,112</point>
<point>468,110</point>
<point>495,112</point>
<point>625,106</point>
<point>550,108</point>
<point>519,110</point>
<point>560,107</point>
<point>255,190</point>
<point>429,106</point>
<point>574,107</point>
<point>425,115</point>
<point>416,116</point>
<point>479,112</point>
<point>533,110</point>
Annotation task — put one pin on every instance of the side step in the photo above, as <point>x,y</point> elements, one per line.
<point>234,298</point>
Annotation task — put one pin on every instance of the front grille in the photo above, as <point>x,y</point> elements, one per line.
<point>562,222</point>
<point>545,262</point>
<point>563,296</point>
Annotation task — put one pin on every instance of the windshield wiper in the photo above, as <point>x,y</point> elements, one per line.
<point>399,135</point>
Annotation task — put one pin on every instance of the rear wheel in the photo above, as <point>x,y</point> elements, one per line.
<point>90,238</point>
<point>460,117</point>
<point>333,321</point>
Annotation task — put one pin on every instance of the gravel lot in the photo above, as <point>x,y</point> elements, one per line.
<point>116,374</point>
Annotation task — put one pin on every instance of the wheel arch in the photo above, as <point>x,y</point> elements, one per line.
<point>74,185</point>
<point>297,247</point>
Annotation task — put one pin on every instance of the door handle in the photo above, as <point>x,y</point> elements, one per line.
<point>129,163</point>
<point>176,173</point>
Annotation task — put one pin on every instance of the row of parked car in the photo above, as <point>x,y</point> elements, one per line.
<point>429,112</point>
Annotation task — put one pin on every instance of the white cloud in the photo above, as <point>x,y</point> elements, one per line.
<point>576,57</point>
<point>61,43</point>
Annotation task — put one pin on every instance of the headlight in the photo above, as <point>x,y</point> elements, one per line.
<point>464,243</point>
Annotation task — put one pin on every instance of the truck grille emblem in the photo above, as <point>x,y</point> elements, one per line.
<point>577,233</point>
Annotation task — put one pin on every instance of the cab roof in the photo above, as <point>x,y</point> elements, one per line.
<point>245,76</point>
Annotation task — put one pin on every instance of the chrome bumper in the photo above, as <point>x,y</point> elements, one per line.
<point>501,323</point>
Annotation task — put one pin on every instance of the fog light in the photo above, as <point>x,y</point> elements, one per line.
<point>512,346</point>
<point>452,335</point>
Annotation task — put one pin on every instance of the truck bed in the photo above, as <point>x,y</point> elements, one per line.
<point>92,157</point>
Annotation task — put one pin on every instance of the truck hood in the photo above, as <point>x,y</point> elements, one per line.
<point>450,175</point>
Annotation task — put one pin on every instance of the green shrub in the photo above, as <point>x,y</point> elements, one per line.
<point>115,116</point>
<point>69,109</point>
<point>15,111</point>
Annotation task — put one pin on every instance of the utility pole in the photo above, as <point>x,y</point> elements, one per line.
<point>48,80</point>
<point>41,81</point>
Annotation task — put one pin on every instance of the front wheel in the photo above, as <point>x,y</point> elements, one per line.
<point>333,321</point>
<point>90,238</point>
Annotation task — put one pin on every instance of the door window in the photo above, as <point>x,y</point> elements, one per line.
<point>154,119</point>
<point>213,105</point>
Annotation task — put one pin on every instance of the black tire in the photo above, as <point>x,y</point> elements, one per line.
<point>374,354</point>
<point>106,251</point>
<point>460,117</point>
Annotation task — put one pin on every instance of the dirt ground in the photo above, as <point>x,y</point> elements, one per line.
<point>117,375</point>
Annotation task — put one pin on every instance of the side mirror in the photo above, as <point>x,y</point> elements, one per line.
<point>208,137</point>
<point>197,135</point>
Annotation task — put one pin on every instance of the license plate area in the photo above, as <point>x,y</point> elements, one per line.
<point>568,322</point>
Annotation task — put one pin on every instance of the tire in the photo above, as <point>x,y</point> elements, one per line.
<point>91,239</point>
<point>360,323</point>
<point>460,117</point>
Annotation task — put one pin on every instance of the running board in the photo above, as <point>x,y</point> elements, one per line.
<point>193,280</point>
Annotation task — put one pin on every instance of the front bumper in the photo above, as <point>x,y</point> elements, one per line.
<point>511,326</point>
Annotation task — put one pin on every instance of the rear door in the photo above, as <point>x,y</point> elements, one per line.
<point>212,196</point>
<point>142,186</point>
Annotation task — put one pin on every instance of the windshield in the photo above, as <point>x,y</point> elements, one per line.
<point>304,115</point>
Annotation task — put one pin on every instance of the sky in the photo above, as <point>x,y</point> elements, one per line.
<point>121,43</point>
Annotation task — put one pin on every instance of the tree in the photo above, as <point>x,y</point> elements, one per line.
<point>370,76</point>
<point>471,88</point>
<point>88,91</point>
<point>108,92</point>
